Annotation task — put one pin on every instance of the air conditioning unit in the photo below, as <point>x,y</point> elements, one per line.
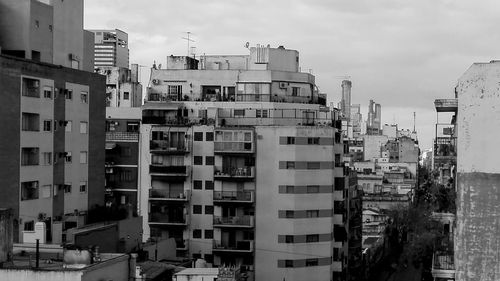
<point>74,57</point>
<point>283,85</point>
<point>156,81</point>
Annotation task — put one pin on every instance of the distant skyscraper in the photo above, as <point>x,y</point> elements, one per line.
<point>346,98</point>
<point>111,48</point>
<point>374,118</point>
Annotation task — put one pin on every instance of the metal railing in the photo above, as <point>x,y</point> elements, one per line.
<point>158,169</point>
<point>166,146</point>
<point>122,136</point>
<point>167,194</point>
<point>234,221</point>
<point>234,172</point>
<point>244,196</point>
<point>233,146</point>
<point>243,245</point>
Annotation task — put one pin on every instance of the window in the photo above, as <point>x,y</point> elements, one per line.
<point>198,160</point>
<point>198,136</point>
<point>68,94</point>
<point>311,238</point>
<point>126,95</point>
<point>125,175</point>
<point>84,97</point>
<point>47,125</point>
<point>313,189</point>
<point>290,189</point>
<point>46,190</point>
<point>68,126</point>
<point>47,92</point>
<point>209,234</point>
<point>288,263</point>
<point>290,165</point>
<point>83,186</point>
<point>197,209</point>
<point>174,91</point>
<point>209,258</point>
<point>127,152</point>
<point>133,127</point>
<point>83,157</point>
<point>261,113</point>
<point>311,262</point>
<point>312,140</point>
<point>47,158</point>
<point>29,156</point>
<point>209,210</point>
<point>290,140</point>
<point>68,157</point>
<point>83,127</point>
<point>31,88</point>
<point>313,165</point>
<point>209,185</point>
<point>312,213</point>
<point>37,23</point>
<point>289,214</point>
<point>51,28</point>
<point>239,113</point>
<point>288,238</point>
<point>197,184</point>
<point>196,234</point>
<point>209,160</point>
<point>29,190</point>
<point>295,91</point>
<point>67,188</point>
<point>29,226</point>
<point>209,136</point>
<point>30,122</point>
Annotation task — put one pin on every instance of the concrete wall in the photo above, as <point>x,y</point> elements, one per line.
<point>372,144</point>
<point>477,236</point>
<point>38,275</point>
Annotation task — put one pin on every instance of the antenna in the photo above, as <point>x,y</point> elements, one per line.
<point>414,120</point>
<point>188,40</point>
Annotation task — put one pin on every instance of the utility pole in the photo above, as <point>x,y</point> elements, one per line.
<point>188,40</point>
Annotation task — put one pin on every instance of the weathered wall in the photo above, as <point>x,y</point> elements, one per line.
<point>478,185</point>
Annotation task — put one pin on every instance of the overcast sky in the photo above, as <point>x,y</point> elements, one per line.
<point>402,54</point>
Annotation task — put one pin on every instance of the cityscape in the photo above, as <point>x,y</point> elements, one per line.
<point>197,160</point>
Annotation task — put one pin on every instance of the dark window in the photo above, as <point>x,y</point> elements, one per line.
<point>339,183</point>
<point>126,95</point>
<point>126,151</point>
<point>197,256</point>
<point>313,189</point>
<point>209,160</point>
<point>290,189</point>
<point>239,113</point>
<point>198,136</point>
<point>290,165</point>
<point>288,263</point>
<point>31,87</point>
<point>30,156</point>
<point>196,234</point>
<point>209,136</point>
<point>289,214</point>
<point>312,213</point>
<point>29,226</point>
<point>198,160</point>
<point>288,238</point>
<point>132,126</point>
<point>30,122</point>
<point>313,165</point>
<point>196,209</point>
<point>290,140</point>
<point>29,190</point>
<point>312,238</point>
<point>248,235</point>
<point>209,258</point>
<point>312,140</point>
<point>209,210</point>
<point>197,184</point>
<point>311,262</point>
<point>209,234</point>
<point>209,185</point>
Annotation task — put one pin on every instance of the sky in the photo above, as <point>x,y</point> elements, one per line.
<point>402,54</point>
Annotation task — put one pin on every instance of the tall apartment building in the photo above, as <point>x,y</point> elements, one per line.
<point>110,48</point>
<point>374,119</point>
<point>346,99</point>
<point>242,166</point>
<point>49,31</point>
<point>52,104</point>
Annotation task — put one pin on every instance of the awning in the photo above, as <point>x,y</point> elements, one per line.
<point>110,145</point>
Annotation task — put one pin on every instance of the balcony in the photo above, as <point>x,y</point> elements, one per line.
<point>446,105</point>
<point>443,265</point>
<point>233,147</point>
<point>122,136</point>
<point>169,171</point>
<point>167,195</point>
<point>244,246</point>
<point>233,197</point>
<point>238,221</point>
<point>165,147</point>
<point>234,173</point>
<point>164,219</point>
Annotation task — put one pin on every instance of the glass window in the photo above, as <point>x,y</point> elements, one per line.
<point>209,210</point>
<point>313,189</point>
<point>47,125</point>
<point>83,157</point>
<point>68,125</point>
<point>288,238</point>
<point>46,191</point>
<point>196,234</point>
<point>198,160</point>
<point>209,234</point>
<point>209,136</point>
<point>84,97</point>
<point>209,160</point>
<point>197,209</point>
<point>198,136</point>
<point>197,184</point>
<point>29,190</point>
<point>312,213</point>
<point>83,127</point>
<point>209,185</point>
<point>83,186</point>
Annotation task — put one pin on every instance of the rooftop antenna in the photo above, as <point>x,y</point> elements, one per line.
<point>188,40</point>
<point>414,120</point>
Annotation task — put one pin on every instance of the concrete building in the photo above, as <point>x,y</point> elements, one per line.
<point>357,121</point>
<point>372,146</point>
<point>444,158</point>
<point>390,131</point>
<point>374,119</point>
<point>243,166</point>
<point>346,99</point>
<point>53,142</point>
<point>123,88</point>
<point>110,48</point>
<point>48,31</point>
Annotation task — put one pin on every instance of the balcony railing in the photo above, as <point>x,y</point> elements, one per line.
<point>160,146</point>
<point>122,136</point>
<point>233,196</point>
<point>165,219</point>
<point>238,221</point>
<point>162,194</point>
<point>233,147</point>
<point>180,171</point>
<point>234,172</point>
<point>244,246</point>
<point>446,105</point>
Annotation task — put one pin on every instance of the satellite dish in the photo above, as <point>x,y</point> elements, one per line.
<point>247,44</point>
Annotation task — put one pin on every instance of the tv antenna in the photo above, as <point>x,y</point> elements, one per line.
<point>188,41</point>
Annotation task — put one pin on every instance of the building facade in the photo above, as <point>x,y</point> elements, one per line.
<point>110,48</point>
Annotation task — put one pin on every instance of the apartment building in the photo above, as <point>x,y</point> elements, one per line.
<point>53,142</point>
<point>242,166</point>
<point>110,48</point>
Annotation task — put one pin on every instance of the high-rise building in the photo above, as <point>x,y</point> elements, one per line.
<point>356,120</point>
<point>346,99</point>
<point>52,151</point>
<point>374,119</point>
<point>50,31</point>
<point>242,166</point>
<point>111,48</point>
